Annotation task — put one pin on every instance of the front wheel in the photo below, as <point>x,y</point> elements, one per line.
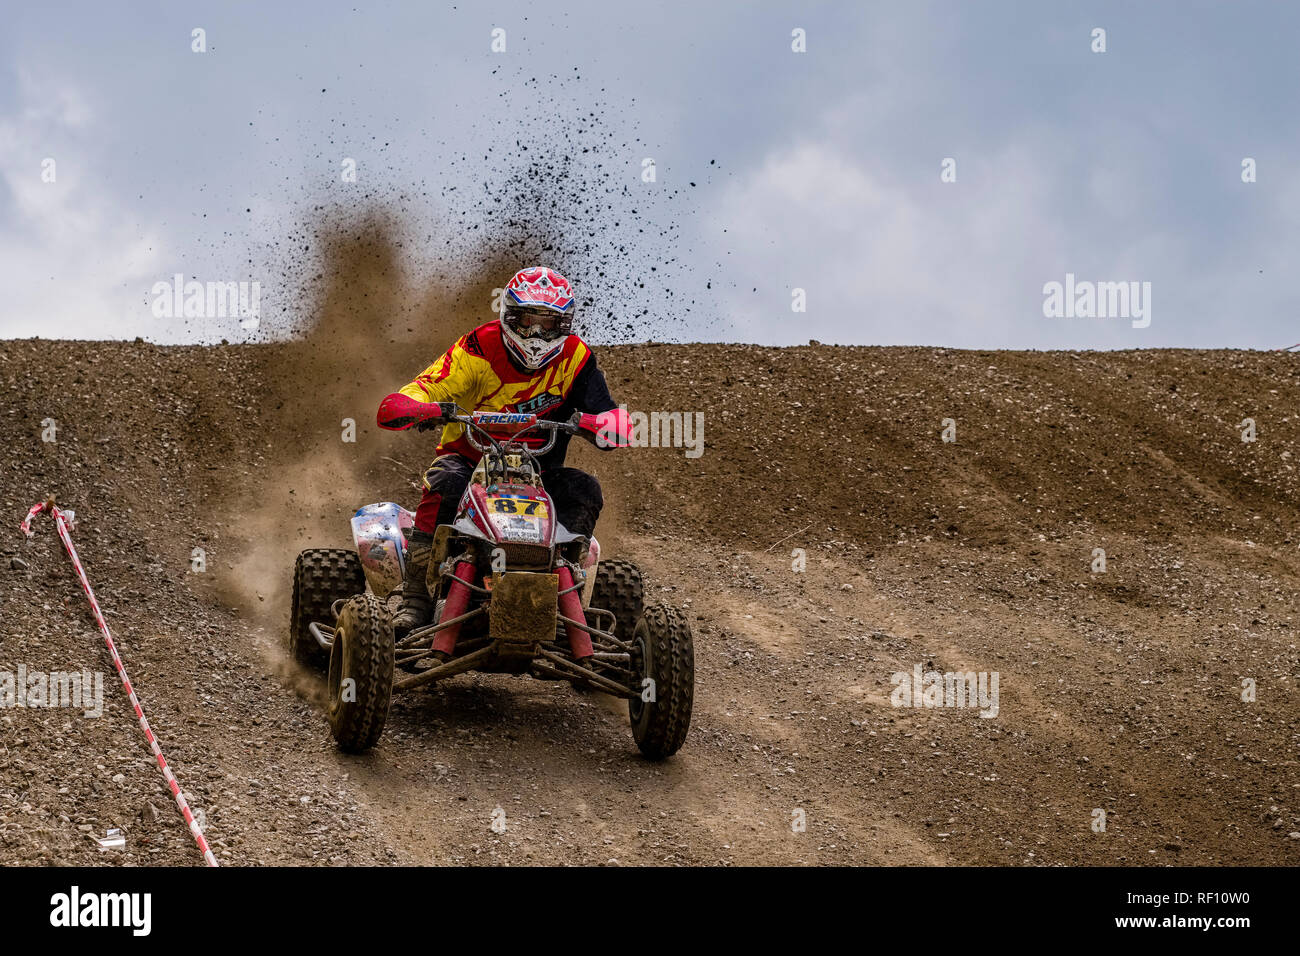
<point>360,680</point>
<point>664,659</point>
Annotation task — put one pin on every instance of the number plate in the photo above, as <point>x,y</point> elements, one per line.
<point>517,505</point>
<point>516,517</point>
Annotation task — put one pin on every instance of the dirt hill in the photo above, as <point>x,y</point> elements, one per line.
<point>1119,691</point>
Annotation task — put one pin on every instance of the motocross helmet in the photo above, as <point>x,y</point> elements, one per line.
<point>537,309</point>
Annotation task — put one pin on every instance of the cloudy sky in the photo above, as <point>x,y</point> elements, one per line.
<point>817,171</point>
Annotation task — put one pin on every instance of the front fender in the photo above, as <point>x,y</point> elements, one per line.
<point>381,545</point>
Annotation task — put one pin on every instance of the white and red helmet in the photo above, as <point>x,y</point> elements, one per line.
<point>537,309</point>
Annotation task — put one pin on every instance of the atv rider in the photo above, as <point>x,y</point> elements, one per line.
<point>529,361</point>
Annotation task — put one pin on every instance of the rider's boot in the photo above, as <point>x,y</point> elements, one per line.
<point>417,607</point>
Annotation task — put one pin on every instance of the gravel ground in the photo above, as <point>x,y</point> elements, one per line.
<point>1119,691</point>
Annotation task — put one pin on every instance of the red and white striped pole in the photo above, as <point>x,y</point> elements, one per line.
<point>61,523</point>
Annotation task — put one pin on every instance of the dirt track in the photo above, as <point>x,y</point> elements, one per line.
<point>1119,691</point>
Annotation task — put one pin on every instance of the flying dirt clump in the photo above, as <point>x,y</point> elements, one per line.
<point>387,284</point>
<point>370,330</point>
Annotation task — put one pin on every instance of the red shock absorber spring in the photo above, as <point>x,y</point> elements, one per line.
<point>571,607</point>
<point>457,602</point>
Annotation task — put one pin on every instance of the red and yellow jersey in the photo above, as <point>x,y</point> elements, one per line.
<point>477,374</point>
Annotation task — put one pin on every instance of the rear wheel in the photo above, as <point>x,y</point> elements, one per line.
<point>664,660</point>
<point>618,588</point>
<point>360,683</point>
<point>321,576</point>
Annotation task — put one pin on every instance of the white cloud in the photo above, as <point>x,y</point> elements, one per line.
<point>73,261</point>
<point>888,261</point>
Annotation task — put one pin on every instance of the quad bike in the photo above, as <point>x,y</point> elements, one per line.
<point>516,593</point>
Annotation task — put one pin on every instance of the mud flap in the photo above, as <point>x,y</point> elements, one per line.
<point>523,608</point>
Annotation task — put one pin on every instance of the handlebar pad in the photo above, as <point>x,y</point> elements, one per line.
<point>503,424</point>
<point>398,412</point>
<point>611,429</point>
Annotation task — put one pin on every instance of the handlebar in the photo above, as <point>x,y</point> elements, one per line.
<point>475,421</point>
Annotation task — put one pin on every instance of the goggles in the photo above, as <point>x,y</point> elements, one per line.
<point>531,322</point>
